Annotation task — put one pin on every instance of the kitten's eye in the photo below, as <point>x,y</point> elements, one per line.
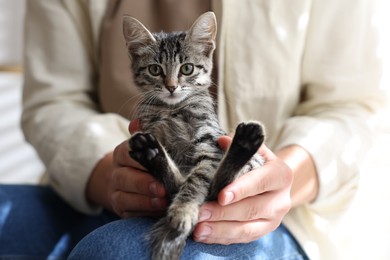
<point>187,69</point>
<point>155,70</point>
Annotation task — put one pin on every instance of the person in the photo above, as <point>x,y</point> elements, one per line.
<point>308,70</point>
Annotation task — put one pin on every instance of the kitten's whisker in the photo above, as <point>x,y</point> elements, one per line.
<point>147,99</point>
<point>135,98</point>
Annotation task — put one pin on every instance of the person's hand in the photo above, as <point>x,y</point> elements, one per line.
<point>250,207</point>
<point>134,192</point>
<point>130,190</point>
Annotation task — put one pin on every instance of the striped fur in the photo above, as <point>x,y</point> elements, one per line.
<point>178,145</point>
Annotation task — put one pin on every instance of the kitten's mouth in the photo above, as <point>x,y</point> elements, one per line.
<point>172,98</point>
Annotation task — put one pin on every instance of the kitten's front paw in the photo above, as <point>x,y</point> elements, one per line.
<point>145,149</point>
<point>249,136</point>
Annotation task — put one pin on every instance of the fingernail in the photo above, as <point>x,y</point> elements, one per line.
<point>204,232</point>
<point>204,215</point>
<point>229,197</point>
<point>153,188</point>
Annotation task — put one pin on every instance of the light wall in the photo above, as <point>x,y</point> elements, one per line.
<point>11,32</point>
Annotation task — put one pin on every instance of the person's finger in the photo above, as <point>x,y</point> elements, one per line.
<point>229,232</point>
<point>135,181</point>
<point>122,158</point>
<point>224,142</point>
<point>265,206</point>
<point>134,126</point>
<point>124,203</point>
<point>269,177</point>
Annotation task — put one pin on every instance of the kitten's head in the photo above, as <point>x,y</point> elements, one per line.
<point>171,66</point>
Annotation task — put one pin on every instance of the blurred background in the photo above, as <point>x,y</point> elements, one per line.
<point>18,160</point>
<point>368,219</point>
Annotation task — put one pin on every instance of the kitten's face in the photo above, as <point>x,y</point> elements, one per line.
<point>174,66</point>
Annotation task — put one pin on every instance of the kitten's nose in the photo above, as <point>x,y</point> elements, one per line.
<point>171,88</point>
<point>171,85</point>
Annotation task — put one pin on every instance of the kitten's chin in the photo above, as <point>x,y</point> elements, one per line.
<point>172,99</point>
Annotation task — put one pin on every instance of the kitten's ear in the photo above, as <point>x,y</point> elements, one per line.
<point>136,35</point>
<point>203,32</point>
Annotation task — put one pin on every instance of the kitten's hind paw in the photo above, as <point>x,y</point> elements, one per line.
<point>249,136</point>
<point>145,149</point>
<point>247,140</point>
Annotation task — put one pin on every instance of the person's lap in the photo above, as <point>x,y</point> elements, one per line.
<point>35,222</point>
<point>125,239</point>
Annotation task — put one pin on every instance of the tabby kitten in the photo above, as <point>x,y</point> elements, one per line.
<point>178,145</point>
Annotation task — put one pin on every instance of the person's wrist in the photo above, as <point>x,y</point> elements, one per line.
<point>305,184</point>
<point>97,187</point>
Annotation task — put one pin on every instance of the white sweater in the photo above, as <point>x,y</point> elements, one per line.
<point>307,69</point>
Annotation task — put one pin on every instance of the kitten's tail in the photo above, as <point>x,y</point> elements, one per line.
<point>167,243</point>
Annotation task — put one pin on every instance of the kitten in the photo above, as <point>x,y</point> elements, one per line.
<point>178,145</point>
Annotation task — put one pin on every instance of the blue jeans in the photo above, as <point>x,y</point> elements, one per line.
<point>36,224</point>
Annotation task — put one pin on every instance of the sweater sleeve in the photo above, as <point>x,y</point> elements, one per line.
<point>341,75</point>
<point>61,118</point>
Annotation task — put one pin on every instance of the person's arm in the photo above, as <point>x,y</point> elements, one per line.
<point>60,116</point>
<point>324,140</point>
<point>62,120</point>
<point>305,184</point>
<point>340,93</point>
